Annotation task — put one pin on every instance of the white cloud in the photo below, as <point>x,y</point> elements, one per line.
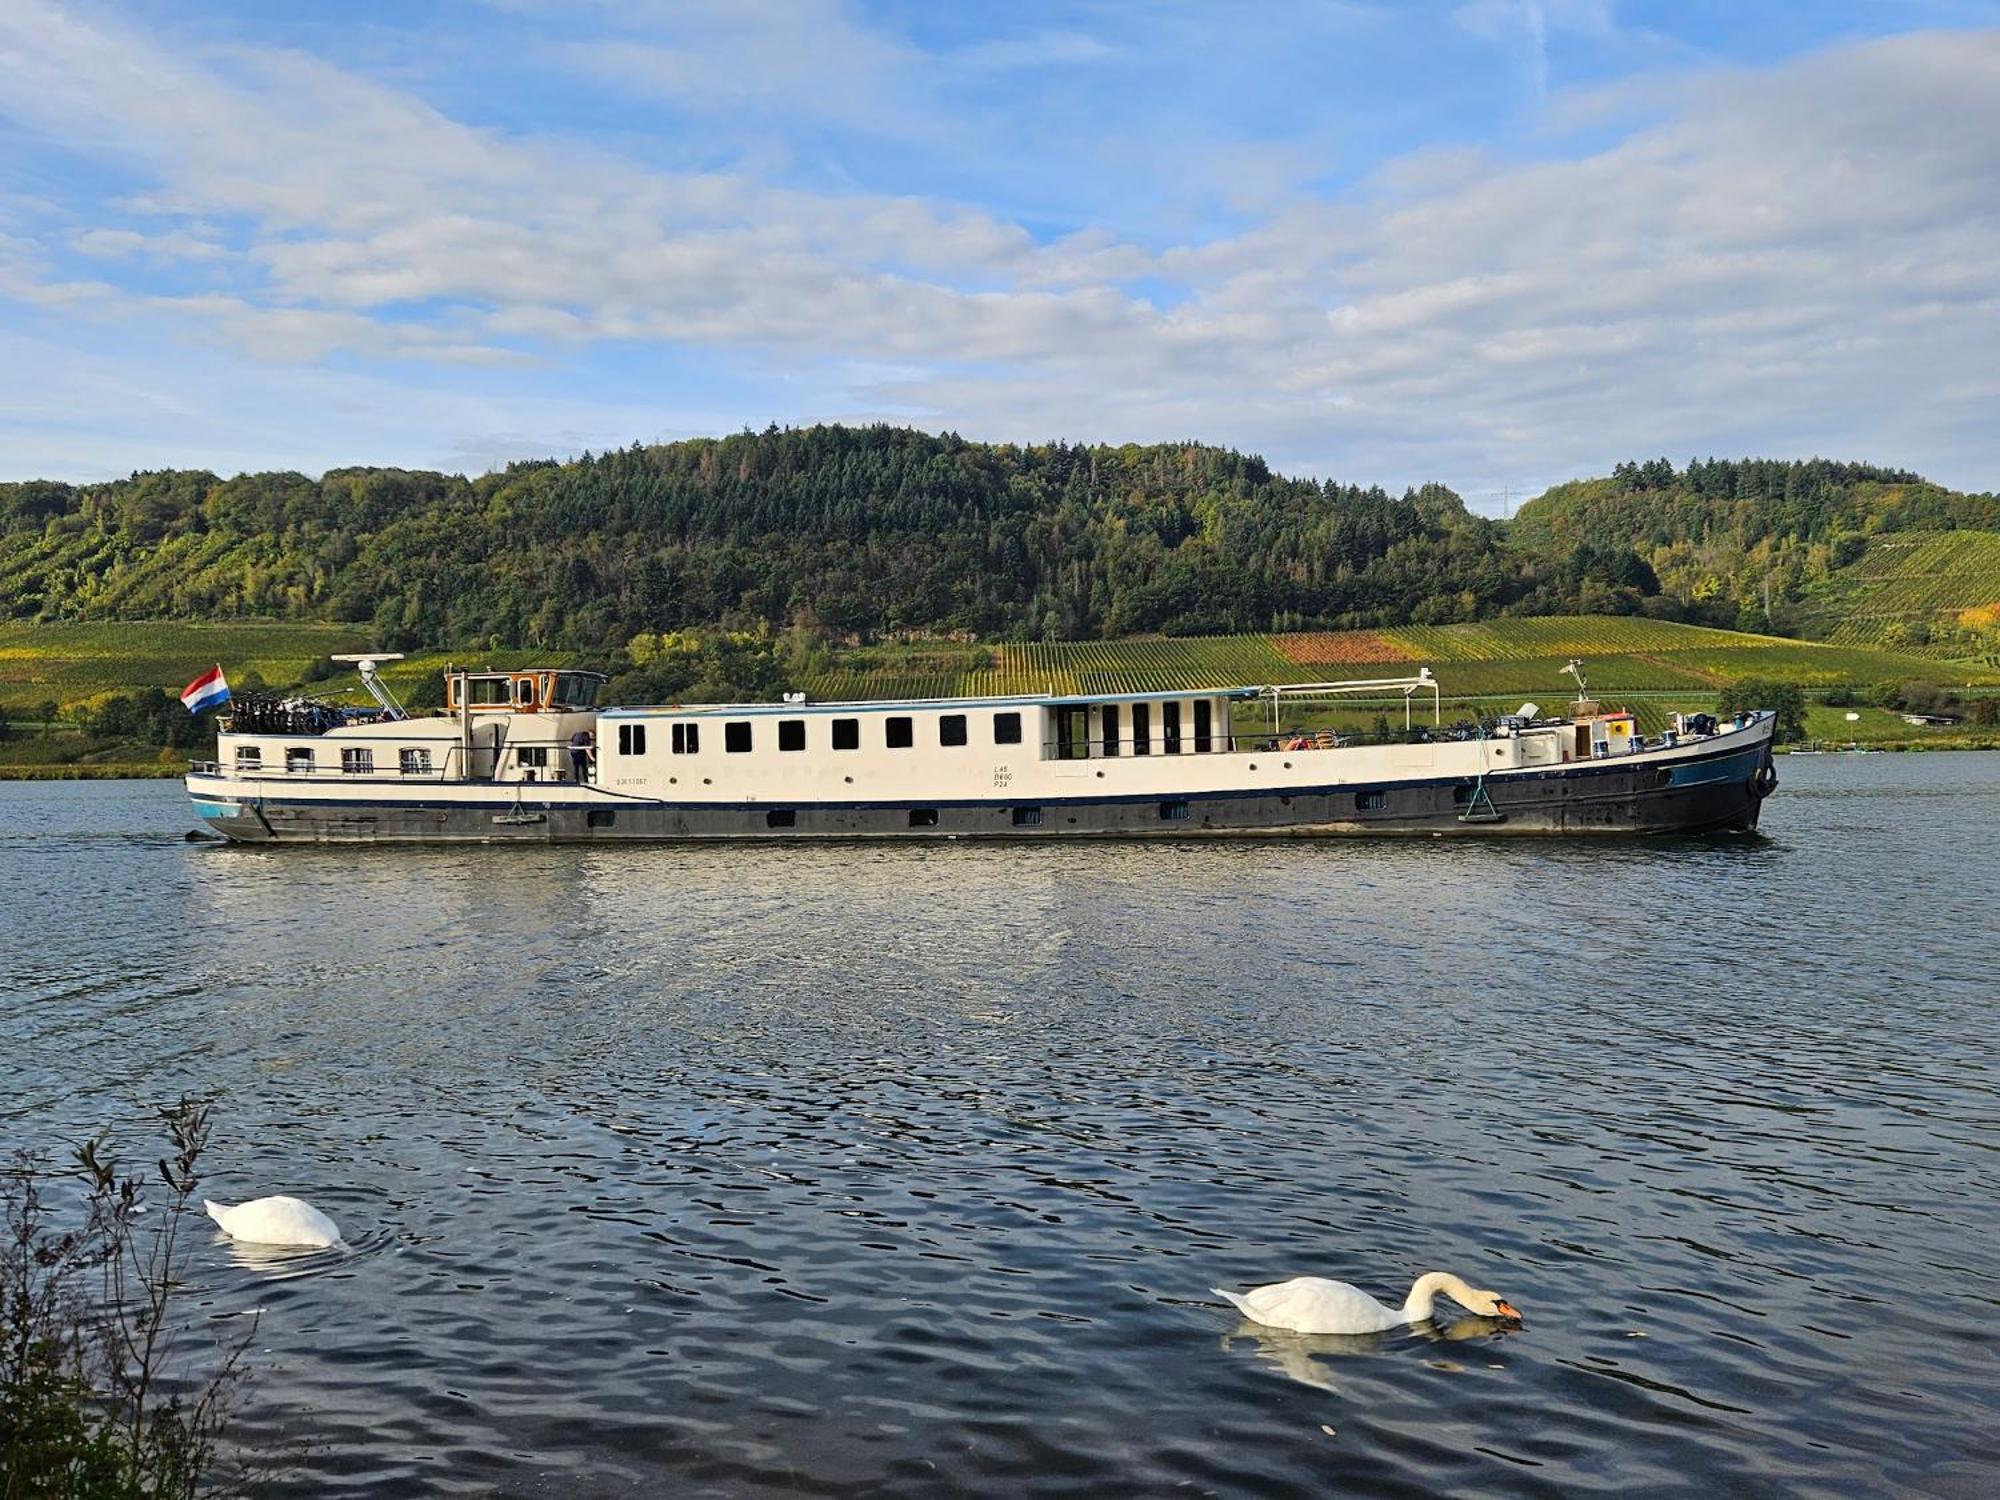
<point>1790,260</point>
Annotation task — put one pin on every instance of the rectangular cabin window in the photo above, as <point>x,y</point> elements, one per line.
<point>359,762</point>
<point>1170,727</point>
<point>736,737</point>
<point>416,763</point>
<point>249,758</point>
<point>1072,733</point>
<point>1027,817</point>
<point>1204,726</point>
<point>686,739</point>
<point>1370,801</point>
<point>532,755</point>
<point>299,760</point>
<point>781,817</point>
<point>923,817</point>
<point>951,729</point>
<point>847,734</point>
<point>897,733</point>
<point>1110,721</point>
<point>631,739</point>
<point>1142,729</point>
<point>1173,812</point>
<point>1006,729</point>
<point>791,734</point>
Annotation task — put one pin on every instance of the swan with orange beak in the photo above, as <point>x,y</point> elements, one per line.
<point>1312,1304</point>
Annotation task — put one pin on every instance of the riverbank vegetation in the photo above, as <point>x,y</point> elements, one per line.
<point>107,1391</point>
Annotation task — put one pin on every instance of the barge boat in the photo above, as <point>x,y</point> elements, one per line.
<point>528,756</point>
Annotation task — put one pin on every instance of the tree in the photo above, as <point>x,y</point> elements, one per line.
<point>1786,698</point>
<point>46,711</point>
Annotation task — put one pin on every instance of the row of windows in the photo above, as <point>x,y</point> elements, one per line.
<point>355,760</point>
<point>899,732</point>
<point>1078,737</point>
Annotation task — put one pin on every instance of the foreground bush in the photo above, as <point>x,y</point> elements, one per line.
<point>98,1396</point>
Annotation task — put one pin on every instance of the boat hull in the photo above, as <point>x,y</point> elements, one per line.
<point>1720,792</point>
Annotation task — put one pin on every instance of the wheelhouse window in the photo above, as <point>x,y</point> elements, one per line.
<point>357,762</point>
<point>1142,729</point>
<point>791,734</point>
<point>1170,728</point>
<point>736,737</point>
<point>576,691</point>
<point>1007,729</point>
<point>524,692</point>
<point>416,762</point>
<point>249,758</point>
<point>847,734</point>
<point>1204,726</point>
<point>951,729</point>
<point>686,739</point>
<point>898,733</point>
<point>1110,718</point>
<point>299,760</point>
<point>631,739</point>
<point>488,692</point>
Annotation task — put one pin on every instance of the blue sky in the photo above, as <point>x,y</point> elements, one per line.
<point>1497,243</point>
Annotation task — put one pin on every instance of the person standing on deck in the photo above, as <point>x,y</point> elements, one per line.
<point>579,755</point>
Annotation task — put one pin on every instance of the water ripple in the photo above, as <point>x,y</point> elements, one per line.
<point>899,1171</point>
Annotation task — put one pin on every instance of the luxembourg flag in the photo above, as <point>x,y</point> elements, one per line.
<point>210,690</point>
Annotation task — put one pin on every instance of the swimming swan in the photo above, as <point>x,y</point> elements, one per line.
<point>1312,1304</point>
<point>275,1221</point>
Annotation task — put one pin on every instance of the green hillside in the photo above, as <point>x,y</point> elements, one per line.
<point>1620,654</point>
<point>1936,593</point>
<point>1795,547</point>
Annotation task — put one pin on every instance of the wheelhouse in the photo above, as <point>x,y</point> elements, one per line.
<point>528,691</point>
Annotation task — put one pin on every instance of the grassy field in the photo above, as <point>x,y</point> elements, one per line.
<point>1910,592</point>
<point>1501,657</point>
<point>1878,728</point>
<point>78,665</point>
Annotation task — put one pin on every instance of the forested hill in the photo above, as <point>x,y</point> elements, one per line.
<point>1744,530</point>
<point>848,530</point>
<point>861,531</point>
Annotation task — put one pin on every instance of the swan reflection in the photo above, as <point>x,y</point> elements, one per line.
<point>280,1262</point>
<point>1297,1355</point>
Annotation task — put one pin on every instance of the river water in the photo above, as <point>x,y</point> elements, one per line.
<point>907,1170</point>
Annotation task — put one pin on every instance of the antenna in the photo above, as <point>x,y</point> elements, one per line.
<point>377,688</point>
<point>1575,669</point>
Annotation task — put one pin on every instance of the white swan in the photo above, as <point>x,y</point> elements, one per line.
<point>275,1221</point>
<point>1312,1304</point>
